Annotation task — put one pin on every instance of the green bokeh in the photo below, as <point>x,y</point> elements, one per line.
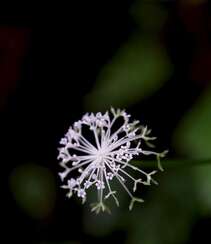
<point>139,68</point>
<point>193,139</point>
<point>193,136</point>
<point>33,188</point>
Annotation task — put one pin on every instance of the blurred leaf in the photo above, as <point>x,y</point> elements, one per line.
<point>203,184</point>
<point>172,163</point>
<point>167,215</point>
<point>138,69</point>
<point>193,136</point>
<point>149,15</point>
<point>100,224</point>
<point>33,188</point>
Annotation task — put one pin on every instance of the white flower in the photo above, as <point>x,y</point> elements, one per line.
<point>81,193</point>
<point>103,155</point>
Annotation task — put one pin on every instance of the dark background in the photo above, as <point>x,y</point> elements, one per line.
<point>50,62</point>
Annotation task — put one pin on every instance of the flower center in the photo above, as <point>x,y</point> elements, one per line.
<point>100,155</point>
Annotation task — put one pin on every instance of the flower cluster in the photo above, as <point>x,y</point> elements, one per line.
<point>104,154</point>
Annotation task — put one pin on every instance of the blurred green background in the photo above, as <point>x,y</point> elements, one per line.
<point>150,57</point>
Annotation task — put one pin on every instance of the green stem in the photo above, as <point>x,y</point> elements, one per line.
<point>173,163</point>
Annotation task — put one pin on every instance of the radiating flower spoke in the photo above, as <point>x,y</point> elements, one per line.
<point>98,162</point>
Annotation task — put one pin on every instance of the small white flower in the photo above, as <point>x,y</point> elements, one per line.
<point>110,176</point>
<point>100,185</point>
<point>87,184</point>
<point>72,183</point>
<point>104,155</point>
<point>81,193</point>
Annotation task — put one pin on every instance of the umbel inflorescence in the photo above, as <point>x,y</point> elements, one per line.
<point>98,149</point>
